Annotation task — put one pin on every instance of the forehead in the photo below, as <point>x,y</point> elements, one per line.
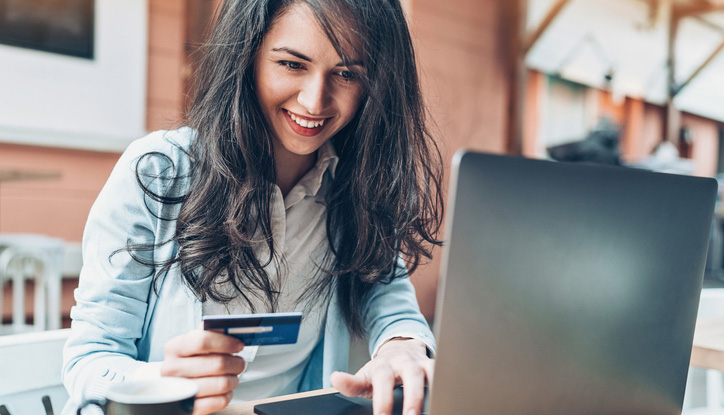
<point>298,25</point>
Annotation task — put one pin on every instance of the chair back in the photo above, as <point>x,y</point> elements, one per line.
<point>40,259</point>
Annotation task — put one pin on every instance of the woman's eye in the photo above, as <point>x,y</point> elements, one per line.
<point>294,66</point>
<point>347,75</point>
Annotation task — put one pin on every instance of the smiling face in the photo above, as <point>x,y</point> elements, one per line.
<point>305,91</point>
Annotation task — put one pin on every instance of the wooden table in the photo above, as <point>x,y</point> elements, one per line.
<point>247,408</point>
<point>708,350</point>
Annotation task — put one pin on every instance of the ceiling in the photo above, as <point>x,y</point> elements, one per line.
<point>627,40</point>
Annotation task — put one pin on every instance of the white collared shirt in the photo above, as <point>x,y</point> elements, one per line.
<point>300,236</point>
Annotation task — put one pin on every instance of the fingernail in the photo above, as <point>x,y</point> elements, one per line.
<point>412,412</point>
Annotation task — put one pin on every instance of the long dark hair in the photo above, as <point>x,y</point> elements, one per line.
<point>385,200</point>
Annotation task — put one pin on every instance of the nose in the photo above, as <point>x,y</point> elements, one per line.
<point>313,95</point>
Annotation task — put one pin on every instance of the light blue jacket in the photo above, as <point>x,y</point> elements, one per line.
<point>120,322</point>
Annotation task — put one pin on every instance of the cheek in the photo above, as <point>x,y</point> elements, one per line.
<point>265,93</point>
<point>275,93</point>
<point>269,87</point>
<point>351,104</point>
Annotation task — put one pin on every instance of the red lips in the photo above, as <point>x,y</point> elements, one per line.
<point>307,132</point>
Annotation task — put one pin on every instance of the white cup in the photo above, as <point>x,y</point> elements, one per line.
<point>166,395</point>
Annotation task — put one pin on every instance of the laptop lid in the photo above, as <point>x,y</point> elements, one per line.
<point>568,288</point>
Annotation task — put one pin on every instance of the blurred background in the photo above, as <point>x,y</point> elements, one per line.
<point>635,83</point>
<point>631,83</point>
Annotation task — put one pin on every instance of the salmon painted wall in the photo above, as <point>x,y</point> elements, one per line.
<point>464,77</point>
<point>54,207</point>
<point>167,66</point>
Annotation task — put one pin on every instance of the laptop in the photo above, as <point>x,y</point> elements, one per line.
<point>565,289</point>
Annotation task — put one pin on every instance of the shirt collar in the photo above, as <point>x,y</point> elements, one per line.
<point>310,184</point>
<point>327,158</point>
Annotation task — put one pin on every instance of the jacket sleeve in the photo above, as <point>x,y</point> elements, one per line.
<point>392,311</point>
<point>114,288</point>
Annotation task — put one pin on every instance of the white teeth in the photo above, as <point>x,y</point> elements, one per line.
<point>305,123</point>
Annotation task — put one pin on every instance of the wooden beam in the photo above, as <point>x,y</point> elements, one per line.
<point>699,69</point>
<point>547,20</point>
<point>697,10</point>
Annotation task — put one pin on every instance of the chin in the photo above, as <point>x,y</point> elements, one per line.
<point>303,148</point>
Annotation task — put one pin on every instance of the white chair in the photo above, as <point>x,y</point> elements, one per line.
<point>30,378</point>
<point>39,258</point>
<point>705,387</point>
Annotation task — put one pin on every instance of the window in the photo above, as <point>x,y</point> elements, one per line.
<point>58,26</point>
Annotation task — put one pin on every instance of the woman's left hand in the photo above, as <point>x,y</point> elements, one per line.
<point>399,361</point>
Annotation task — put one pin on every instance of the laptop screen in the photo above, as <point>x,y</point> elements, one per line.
<point>568,288</point>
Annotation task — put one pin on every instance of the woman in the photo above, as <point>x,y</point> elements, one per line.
<point>305,176</point>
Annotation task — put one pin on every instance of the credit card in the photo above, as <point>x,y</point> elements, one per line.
<point>258,329</point>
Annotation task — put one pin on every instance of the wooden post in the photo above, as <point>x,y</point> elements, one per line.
<point>673,117</point>
<point>513,13</point>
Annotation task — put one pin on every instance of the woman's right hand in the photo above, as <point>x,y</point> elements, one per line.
<point>207,358</point>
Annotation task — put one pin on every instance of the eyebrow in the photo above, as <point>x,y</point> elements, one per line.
<point>304,57</point>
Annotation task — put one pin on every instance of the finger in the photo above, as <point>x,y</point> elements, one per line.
<point>211,404</point>
<point>351,385</point>
<point>216,385</point>
<point>429,367</point>
<point>383,381</point>
<point>198,342</point>
<point>203,366</point>
<point>413,382</point>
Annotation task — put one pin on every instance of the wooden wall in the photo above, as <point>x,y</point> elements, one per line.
<point>55,207</point>
<point>167,69</point>
<point>464,74</point>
